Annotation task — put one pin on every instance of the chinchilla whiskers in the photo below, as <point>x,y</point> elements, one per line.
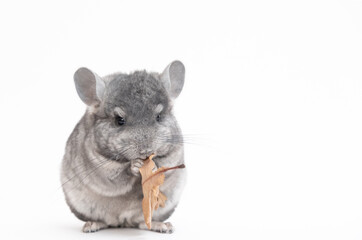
<point>106,162</point>
<point>130,154</point>
<point>181,136</point>
<point>175,139</point>
<point>179,139</point>
<point>183,142</point>
<point>88,172</point>
<point>172,141</point>
<point>84,171</point>
<point>185,135</point>
<point>123,152</point>
<point>82,164</point>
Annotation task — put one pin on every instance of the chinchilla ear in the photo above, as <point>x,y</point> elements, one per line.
<point>173,78</point>
<point>90,86</point>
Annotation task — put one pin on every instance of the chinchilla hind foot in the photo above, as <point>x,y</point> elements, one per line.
<point>160,227</point>
<point>93,226</point>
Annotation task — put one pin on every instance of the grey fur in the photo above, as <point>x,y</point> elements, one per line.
<point>99,173</point>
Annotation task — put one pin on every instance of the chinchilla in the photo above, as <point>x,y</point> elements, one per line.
<point>128,117</point>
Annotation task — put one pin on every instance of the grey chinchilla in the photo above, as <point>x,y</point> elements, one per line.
<point>128,117</point>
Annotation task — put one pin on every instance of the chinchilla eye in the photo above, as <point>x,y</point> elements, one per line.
<point>158,118</point>
<point>120,121</point>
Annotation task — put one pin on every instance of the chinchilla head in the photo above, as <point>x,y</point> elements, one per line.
<point>129,116</point>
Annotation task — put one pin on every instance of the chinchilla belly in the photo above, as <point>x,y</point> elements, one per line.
<point>124,210</point>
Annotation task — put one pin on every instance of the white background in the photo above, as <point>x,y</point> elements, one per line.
<point>271,110</point>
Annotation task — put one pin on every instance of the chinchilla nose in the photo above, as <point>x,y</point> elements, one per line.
<point>146,152</point>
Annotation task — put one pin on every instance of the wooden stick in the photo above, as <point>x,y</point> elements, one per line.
<point>163,170</point>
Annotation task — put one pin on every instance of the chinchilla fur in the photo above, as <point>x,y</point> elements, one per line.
<point>128,117</point>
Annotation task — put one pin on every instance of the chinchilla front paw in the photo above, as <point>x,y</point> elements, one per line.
<point>135,166</point>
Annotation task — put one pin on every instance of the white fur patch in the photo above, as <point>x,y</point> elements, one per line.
<point>118,111</point>
<point>159,108</point>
